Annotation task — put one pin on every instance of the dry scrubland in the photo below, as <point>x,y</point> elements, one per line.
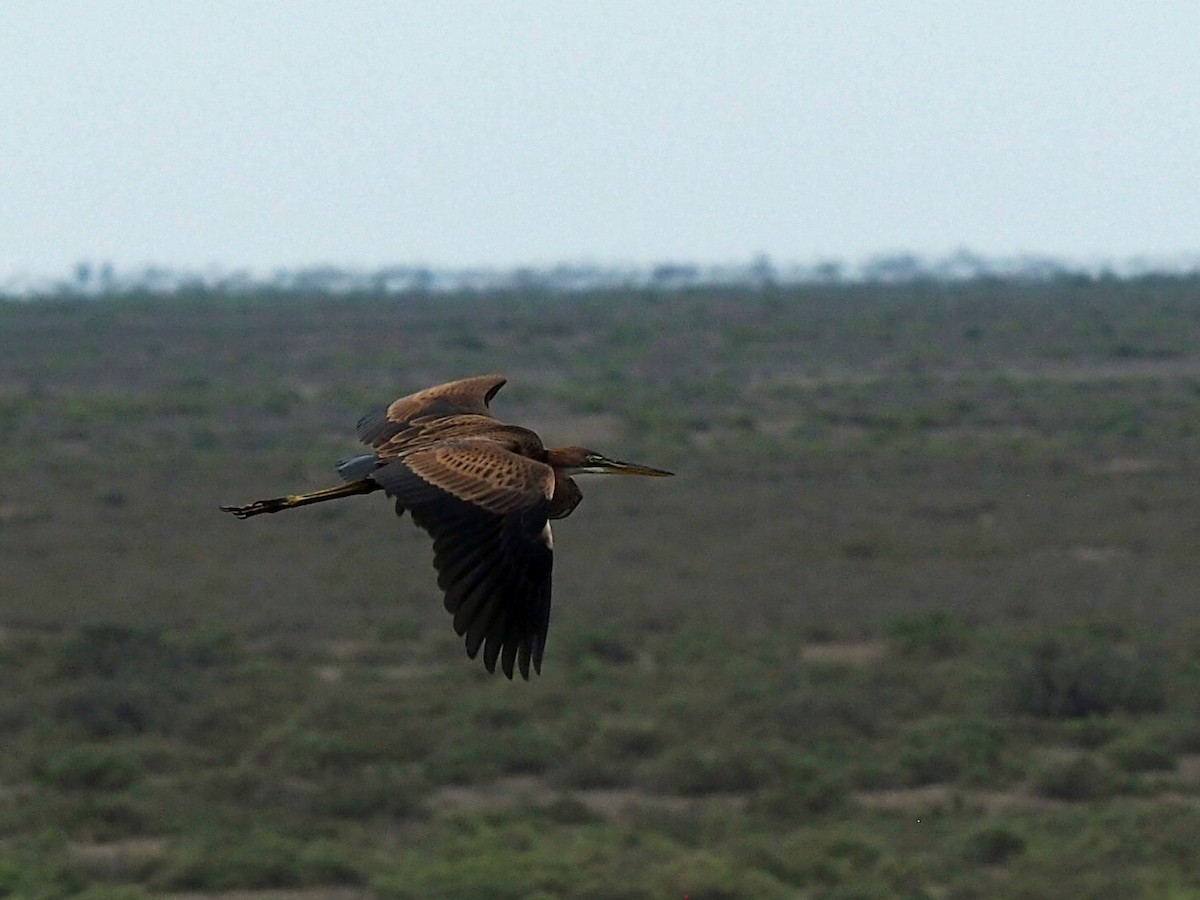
<point>918,618</point>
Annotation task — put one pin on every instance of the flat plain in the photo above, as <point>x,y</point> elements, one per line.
<point>918,617</point>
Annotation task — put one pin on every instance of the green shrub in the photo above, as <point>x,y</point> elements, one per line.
<point>106,708</point>
<point>109,816</point>
<point>826,860</point>
<point>123,892</point>
<point>495,714</point>
<point>527,751</point>
<point>685,826</point>
<point>947,749</point>
<point>133,680</point>
<point>486,755</point>
<point>256,860</point>
<point>1142,753</point>
<point>466,763</point>
<point>629,740</point>
<point>310,752</point>
<point>567,810</point>
<point>488,862</point>
<point>935,635</point>
<point>369,791</point>
<point>400,630</point>
<point>90,767</point>
<point>809,788</point>
<point>814,712</point>
<point>707,876</point>
<point>109,650</point>
<point>992,845</point>
<point>696,772</point>
<point>1074,675</point>
<point>587,771</point>
<point>1090,733</point>
<point>1184,736</point>
<point>322,862</point>
<point>1078,779</point>
<point>603,647</point>
<point>20,878</point>
<point>204,648</point>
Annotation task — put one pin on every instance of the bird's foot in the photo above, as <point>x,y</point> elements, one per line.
<point>257,507</point>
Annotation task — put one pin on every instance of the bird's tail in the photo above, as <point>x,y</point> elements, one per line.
<point>354,468</point>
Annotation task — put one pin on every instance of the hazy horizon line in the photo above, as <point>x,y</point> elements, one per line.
<point>88,277</point>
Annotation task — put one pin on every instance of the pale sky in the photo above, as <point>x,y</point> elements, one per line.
<point>291,134</point>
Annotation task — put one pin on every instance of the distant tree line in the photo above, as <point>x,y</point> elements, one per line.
<point>102,279</point>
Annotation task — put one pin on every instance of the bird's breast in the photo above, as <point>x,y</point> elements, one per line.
<point>567,496</point>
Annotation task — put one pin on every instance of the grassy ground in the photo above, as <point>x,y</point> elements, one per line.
<point>917,618</point>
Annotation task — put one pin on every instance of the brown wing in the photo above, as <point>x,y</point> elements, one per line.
<point>468,396</point>
<point>487,510</point>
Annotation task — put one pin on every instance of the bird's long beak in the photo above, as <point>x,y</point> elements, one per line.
<point>617,467</point>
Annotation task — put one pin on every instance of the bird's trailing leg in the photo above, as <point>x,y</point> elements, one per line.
<point>275,504</point>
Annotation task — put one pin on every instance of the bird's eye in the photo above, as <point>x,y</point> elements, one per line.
<point>594,459</point>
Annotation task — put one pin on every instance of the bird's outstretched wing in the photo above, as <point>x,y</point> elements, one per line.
<point>487,510</point>
<point>468,396</point>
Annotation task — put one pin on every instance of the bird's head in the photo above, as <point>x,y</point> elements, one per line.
<point>579,460</point>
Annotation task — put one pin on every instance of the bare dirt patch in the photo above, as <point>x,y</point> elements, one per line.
<point>123,860</point>
<point>1098,554</point>
<point>527,791</point>
<point>859,653</point>
<point>942,798</point>
<point>331,893</point>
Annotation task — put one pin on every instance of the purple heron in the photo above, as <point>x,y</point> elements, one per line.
<point>485,491</point>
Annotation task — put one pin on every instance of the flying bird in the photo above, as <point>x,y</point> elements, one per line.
<point>486,492</point>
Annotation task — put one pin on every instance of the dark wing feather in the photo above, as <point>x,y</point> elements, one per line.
<point>468,396</point>
<point>487,510</point>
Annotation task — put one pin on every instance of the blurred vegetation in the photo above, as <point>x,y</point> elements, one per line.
<point>916,619</point>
